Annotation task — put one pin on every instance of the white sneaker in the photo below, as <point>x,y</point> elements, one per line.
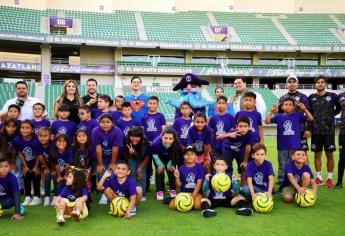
<point>53,201</point>
<point>103,200</point>
<point>46,201</point>
<point>160,196</point>
<point>42,191</point>
<point>60,220</point>
<point>35,201</point>
<point>152,180</point>
<point>27,201</point>
<point>133,211</point>
<point>143,199</point>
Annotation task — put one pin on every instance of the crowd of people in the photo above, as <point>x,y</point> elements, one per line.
<point>95,143</point>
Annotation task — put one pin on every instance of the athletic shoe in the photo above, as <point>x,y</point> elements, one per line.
<point>42,191</point>
<point>53,201</point>
<point>143,199</point>
<point>46,201</point>
<point>338,186</point>
<point>103,200</point>
<point>152,180</point>
<point>318,181</point>
<point>27,201</point>
<point>209,213</point>
<point>35,201</point>
<point>172,193</point>
<point>244,211</point>
<point>21,209</point>
<point>160,196</point>
<point>133,211</point>
<point>75,215</point>
<point>329,183</point>
<point>60,220</point>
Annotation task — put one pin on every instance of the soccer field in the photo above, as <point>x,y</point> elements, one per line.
<point>154,218</point>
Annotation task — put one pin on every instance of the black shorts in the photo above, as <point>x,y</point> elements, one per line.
<point>304,143</point>
<point>220,203</point>
<point>321,142</point>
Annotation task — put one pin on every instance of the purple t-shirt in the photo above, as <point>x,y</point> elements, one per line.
<point>125,125</point>
<point>44,151</point>
<point>27,148</point>
<point>64,127</point>
<point>255,121</point>
<point>189,177</point>
<point>8,186</point>
<point>220,124</point>
<point>199,140</point>
<point>260,174</point>
<point>213,195</point>
<point>70,196</point>
<point>297,173</point>
<point>181,127</point>
<point>117,115</point>
<point>239,143</point>
<point>64,158</point>
<point>152,124</point>
<point>88,126</point>
<point>108,140</point>
<point>39,124</point>
<point>126,189</point>
<point>288,130</point>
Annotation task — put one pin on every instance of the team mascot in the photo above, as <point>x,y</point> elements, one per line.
<point>190,86</point>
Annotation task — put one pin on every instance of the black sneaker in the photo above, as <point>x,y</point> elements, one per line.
<point>338,186</point>
<point>244,211</point>
<point>209,213</point>
<point>167,200</point>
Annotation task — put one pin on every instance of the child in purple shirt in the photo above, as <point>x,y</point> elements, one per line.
<point>182,124</point>
<point>126,121</point>
<point>288,130</point>
<point>38,120</point>
<point>63,125</point>
<point>121,185</point>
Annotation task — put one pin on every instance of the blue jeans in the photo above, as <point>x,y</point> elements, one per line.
<point>6,203</point>
<point>133,166</point>
<point>284,156</point>
<point>246,193</point>
<point>58,186</point>
<point>230,156</point>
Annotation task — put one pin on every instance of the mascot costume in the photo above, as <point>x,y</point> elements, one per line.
<point>190,86</point>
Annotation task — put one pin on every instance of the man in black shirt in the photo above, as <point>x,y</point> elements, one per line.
<point>341,163</point>
<point>91,97</point>
<point>324,106</point>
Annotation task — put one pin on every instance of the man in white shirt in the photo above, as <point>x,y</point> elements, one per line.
<point>23,100</point>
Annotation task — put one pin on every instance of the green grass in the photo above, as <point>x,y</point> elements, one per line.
<point>153,218</point>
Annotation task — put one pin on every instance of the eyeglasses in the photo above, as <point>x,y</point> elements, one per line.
<point>292,82</point>
<point>81,113</point>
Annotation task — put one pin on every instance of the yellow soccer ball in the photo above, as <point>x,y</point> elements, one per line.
<point>184,202</point>
<point>263,203</point>
<point>221,182</point>
<point>119,206</point>
<point>306,200</point>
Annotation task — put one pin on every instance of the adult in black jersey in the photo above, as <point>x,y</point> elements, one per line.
<point>324,106</point>
<point>298,97</point>
<point>341,163</point>
<point>91,97</point>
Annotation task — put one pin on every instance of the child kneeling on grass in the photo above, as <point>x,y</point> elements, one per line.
<point>9,190</point>
<point>298,176</point>
<point>189,178</point>
<point>222,199</point>
<point>121,185</point>
<point>73,200</point>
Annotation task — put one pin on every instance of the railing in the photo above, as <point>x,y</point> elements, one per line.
<point>300,86</point>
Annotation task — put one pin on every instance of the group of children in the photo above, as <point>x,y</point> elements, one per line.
<point>111,152</point>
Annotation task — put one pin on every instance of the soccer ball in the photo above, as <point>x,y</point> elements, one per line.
<point>221,182</point>
<point>263,203</point>
<point>306,200</point>
<point>118,206</point>
<point>184,202</point>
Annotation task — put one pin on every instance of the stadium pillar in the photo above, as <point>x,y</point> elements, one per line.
<point>188,56</point>
<point>255,59</point>
<point>256,81</point>
<point>45,64</point>
<point>323,59</point>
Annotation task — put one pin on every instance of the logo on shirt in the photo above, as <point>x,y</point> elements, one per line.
<point>151,125</point>
<point>136,105</point>
<point>184,131</point>
<point>82,160</point>
<point>219,195</point>
<point>71,198</point>
<point>251,124</point>
<point>288,128</point>
<point>27,151</point>
<point>36,131</point>
<point>2,191</point>
<point>83,127</point>
<point>61,164</point>
<point>125,131</point>
<point>119,193</point>
<point>297,177</point>
<point>328,98</point>
<point>259,179</point>
<point>297,98</point>
<point>220,128</point>
<point>236,146</point>
<point>199,146</point>
<point>62,130</point>
<point>190,179</point>
<point>188,78</point>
